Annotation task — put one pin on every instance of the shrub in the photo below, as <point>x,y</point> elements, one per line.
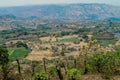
<point>74,73</point>
<point>41,76</point>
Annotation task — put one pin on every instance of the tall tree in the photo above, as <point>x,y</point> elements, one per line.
<point>4,60</point>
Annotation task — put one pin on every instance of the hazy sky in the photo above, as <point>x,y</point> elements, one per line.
<point>32,2</point>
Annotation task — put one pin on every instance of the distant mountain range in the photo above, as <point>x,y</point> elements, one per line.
<point>71,12</point>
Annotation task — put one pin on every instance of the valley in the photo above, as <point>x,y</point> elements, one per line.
<point>60,42</point>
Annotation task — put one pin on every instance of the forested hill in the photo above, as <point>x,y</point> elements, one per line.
<point>65,12</point>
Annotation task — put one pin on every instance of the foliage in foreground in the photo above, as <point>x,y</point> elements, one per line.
<point>70,68</point>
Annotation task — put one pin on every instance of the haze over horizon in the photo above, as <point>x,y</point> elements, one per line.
<point>9,3</point>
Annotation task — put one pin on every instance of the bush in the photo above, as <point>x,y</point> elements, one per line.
<point>105,63</point>
<point>21,44</point>
<point>74,73</point>
<point>62,53</point>
<point>41,76</point>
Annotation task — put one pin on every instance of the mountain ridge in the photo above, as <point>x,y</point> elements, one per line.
<point>64,12</point>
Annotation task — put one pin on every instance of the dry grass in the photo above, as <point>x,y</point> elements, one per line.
<point>67,37</point>
<point>44,39</point>
<point>39,51</point>
<point>91,77</point>
<point>117,43</point>
<point>39,55</point>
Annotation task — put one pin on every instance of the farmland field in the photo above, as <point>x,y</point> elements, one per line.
<point>17,53</point>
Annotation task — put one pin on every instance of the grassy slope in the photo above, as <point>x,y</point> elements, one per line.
<point>69,40</point>
<point>17,53</point>
<point>65,40</point>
